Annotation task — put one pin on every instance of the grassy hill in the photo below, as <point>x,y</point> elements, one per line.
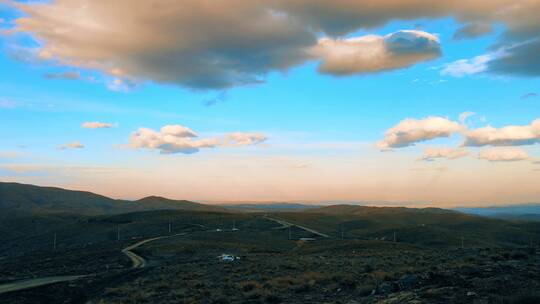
<point>29,199</point>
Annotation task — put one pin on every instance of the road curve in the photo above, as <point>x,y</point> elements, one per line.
<point>31,283</point>
<point>288,224</point>
<point>137,260</point>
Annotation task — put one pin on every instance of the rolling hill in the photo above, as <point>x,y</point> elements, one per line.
<point>30,199</point>
<point>428,226</point>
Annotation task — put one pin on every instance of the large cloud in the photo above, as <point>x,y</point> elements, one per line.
<point>374,53</point>
<point>200,44</point>
<point>505,136</point>
<point>520,17</point>
<point>219,44</point>
<point>179,139</point>
<point>411,131</point>
<point>521,59</point>
<point>503,154</point>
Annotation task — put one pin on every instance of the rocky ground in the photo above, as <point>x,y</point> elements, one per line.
<point>361,272</point>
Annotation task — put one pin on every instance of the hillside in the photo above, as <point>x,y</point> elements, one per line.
<point>269,207</point>
<point>429,226</point>
<point>30,199</point>
<point>158,202</point>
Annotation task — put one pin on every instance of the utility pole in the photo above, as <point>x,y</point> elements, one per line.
<point>233,225</point>
<point>462,242</point>
<point>118,233</point>
<point>394,236</point>
<point>54,241</point>
<point>290,238</point>
<point>169,226</point>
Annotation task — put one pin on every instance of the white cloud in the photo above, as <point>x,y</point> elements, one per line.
<point>411,131</point>
<point>179,139</point>
<point>239,139</point>
<point>71,145</point>
<point>464,116</point>
<point>503,154</point>
<point>465,67</point>
<point>505,136</point>
<point>448,153</point>
<point>372,53</point>
<point>97,125</point>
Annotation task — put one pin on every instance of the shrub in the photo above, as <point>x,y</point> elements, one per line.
<point>248,286</point>
<point>272,299</point>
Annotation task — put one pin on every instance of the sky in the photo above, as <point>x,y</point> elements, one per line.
<point>405,103</point>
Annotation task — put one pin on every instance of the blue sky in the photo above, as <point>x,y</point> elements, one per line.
<point>311,122</point>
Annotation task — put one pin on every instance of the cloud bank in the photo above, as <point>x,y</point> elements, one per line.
<point>220,44</point>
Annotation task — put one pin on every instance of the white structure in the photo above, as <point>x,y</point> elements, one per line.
<point>228,258</point>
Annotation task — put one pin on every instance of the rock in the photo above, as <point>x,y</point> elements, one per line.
<point>385,288</point>
<point>401,298</point>
<point>408,281</point>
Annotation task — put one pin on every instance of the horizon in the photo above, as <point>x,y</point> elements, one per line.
<point>405,104</point>
<point>413,205</point>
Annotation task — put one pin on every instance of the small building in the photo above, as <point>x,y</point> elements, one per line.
<point>305,239</point>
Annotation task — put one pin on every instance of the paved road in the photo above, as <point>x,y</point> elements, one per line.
<point>137,260</point>
<point>288,224</point>
<point>31,283</point>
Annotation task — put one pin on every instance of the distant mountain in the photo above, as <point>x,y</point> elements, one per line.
<point>518,212</point>
<point>369,210</point>
<point>158,202</point>
<point>270,207</point>
<point>24,199</point>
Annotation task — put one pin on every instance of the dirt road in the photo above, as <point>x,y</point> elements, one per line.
<point>138,261</point>
<point>31,283</point>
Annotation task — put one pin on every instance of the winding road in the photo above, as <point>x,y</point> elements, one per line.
<point>31,283</point>
<point>138,262</point>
